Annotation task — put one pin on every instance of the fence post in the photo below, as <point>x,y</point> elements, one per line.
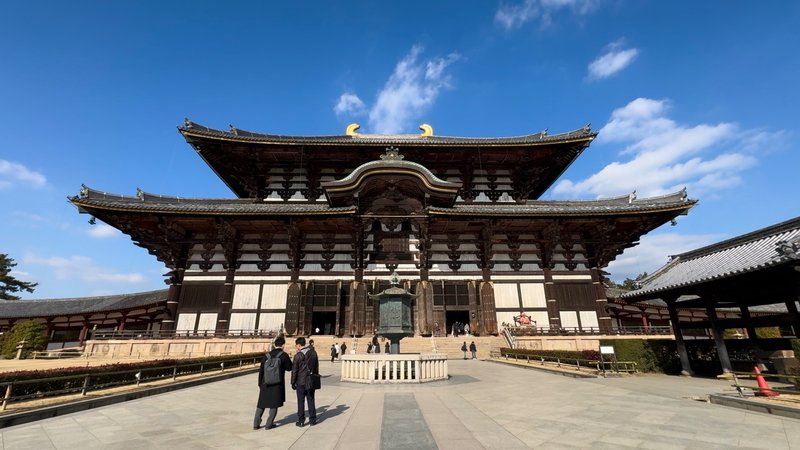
<point>578,361</point>
<point>85,385</point>
<point>174,372</point>
<point>558,362</point>
<point>201,369</point>
<point>7,396</point>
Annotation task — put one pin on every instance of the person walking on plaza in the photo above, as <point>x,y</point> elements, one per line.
<point>305,363</point>
<point>272,396</point>
<point>474,349</point>
<point>387,349</point>
<point>333,353</point>
<point>338,350</point>
<point>464,349</point>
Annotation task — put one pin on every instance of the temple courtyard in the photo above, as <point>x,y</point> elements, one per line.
<point>483,405</point>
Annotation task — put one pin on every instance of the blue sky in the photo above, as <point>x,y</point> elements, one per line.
<point>695,94</point>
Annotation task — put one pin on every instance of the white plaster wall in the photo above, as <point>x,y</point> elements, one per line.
<point>533,295</point>
<point>245,296</point>
<point>274,296</point>
<point>506,295</point>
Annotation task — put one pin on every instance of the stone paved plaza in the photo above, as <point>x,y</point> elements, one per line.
<point>484,405</point>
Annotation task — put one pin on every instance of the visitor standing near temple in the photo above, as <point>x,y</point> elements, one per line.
<point>464,349</point>
<point>474,349</point>
<point>369,347</point>
<point>271,383</point>
<point>305,363</point>
<point>333,353</point>
<point>466,329</point>
<point>387,348</point>
<point>338,350</point>
<point>343,349</point>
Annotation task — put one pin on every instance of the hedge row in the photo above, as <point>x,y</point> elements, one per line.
<point>591,355</point>
<point>106,375</point>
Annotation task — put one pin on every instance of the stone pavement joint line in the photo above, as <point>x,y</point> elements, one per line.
<point>483,405</point>
<point>403,425</point>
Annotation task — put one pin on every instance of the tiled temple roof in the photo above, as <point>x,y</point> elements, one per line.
<point>234,134</point>
<point>21,309</point>
<point>617,205</point>
<point>761,249</point>
<point>144,202</point>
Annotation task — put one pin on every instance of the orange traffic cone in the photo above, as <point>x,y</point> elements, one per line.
<point>763,387</point>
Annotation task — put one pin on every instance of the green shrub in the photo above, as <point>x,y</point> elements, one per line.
<point>650,355</point>
<point>32,331</point>
<point>768,332</point>
<point>796,348</point>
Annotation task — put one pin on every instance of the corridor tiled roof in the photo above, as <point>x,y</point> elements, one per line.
<point>761,249</point>
<point>21,309</point>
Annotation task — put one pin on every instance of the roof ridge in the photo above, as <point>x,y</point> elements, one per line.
<point>190,127</point>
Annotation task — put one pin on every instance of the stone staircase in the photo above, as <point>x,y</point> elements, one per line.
<point>448,345</point>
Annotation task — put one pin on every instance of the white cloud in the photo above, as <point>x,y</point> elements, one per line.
<point>82,268</point>
<point>511,16</point>
<point>349,103</point>
<point>12,173</point>
<point>103,231</point>
<point>654,251</point>
<point>411,90</point>
<point>612,61</point>
<point>662,156</point>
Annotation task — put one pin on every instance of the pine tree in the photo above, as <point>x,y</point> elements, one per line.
<point>8,284</point>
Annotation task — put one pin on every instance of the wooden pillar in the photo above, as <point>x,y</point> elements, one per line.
<point>552,303</point>
<point>719,340</point>
<point>472,291</point>
<point>84,331</point>
<point>489,320</point>
<point>791,307</point>
<point>645,323</point>
<point>337,331</point>
<point>686,368</point>
<point>224,309</point>
<point>173,297</point>
<point>748,326</point>
<point>424,310</point>
<point>601,302</point>
<point>292,318</point>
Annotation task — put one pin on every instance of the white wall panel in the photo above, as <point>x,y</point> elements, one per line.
<point>533,295</point>
<point>541,318</point>
<point>588,320</point>
<point>186,322</point>
<point>208,322</point>
<point>245,296</point>
<point>569,319</point>
<point>242,321</point>
<point>506,295</point>
<point>270,321</point>
<point>274,296</point>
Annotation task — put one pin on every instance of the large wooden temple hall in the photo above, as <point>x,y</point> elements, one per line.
<point>319,222</point>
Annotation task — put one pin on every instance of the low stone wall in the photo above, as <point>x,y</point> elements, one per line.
<point>174,347</point>
<point>402,368</point>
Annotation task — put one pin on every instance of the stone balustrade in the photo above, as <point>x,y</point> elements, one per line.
<point>402,368</point>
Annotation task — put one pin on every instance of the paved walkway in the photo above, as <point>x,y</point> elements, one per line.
<point>484,405</point>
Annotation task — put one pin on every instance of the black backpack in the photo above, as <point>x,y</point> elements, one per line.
<point>272,370</point>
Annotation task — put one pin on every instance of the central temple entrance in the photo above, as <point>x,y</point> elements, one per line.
<point>456,316</point>
<point>324,321</point>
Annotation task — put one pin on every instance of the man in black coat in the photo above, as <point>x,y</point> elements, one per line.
<point>305,363</point>
<point>272,396</point>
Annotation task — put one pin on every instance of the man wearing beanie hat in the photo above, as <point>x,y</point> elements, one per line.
<point>274,395</point>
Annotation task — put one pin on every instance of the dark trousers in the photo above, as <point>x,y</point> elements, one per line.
<point>270,418</point>
<point>304,394</point>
